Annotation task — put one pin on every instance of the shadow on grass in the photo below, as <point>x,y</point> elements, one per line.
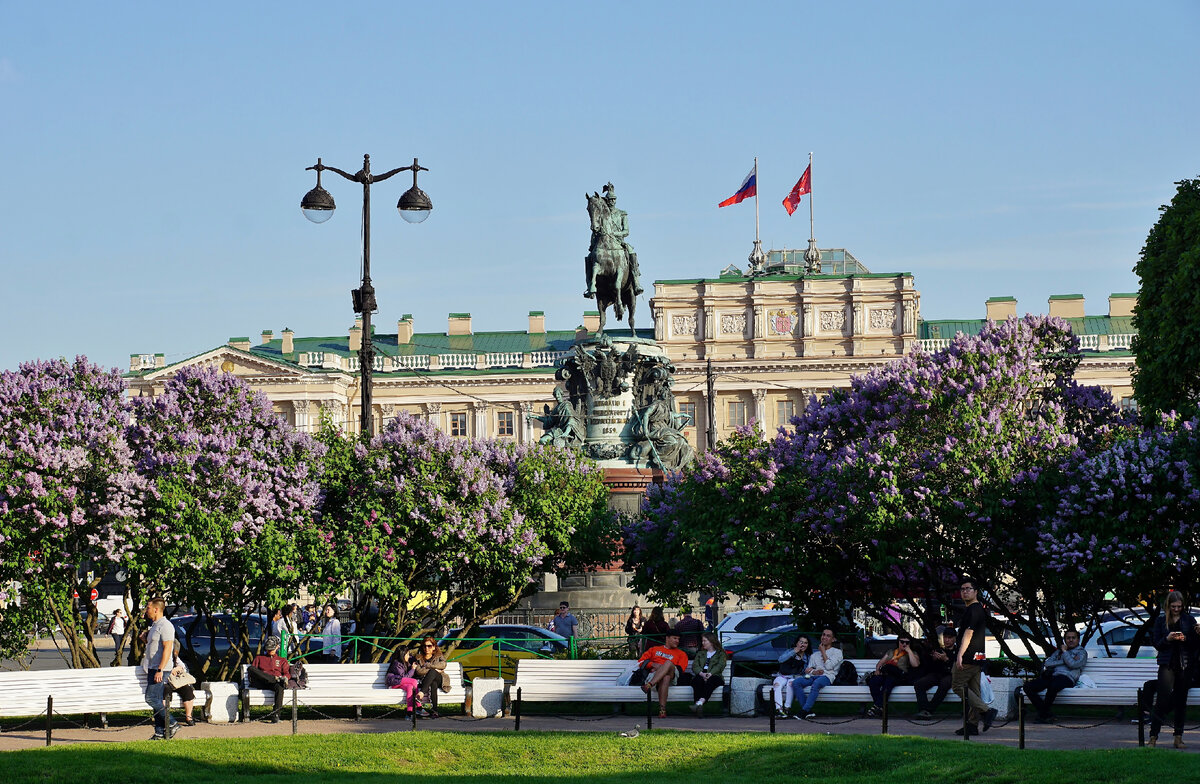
<point>661,757</point>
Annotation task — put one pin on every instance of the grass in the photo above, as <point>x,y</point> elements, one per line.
<point>660,757</point>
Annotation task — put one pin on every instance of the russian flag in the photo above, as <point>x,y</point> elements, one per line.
<point>748,189</point>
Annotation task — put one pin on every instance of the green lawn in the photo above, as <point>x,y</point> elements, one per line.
<point>658,757</point>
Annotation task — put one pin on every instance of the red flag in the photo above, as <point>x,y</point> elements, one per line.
<point>802,187</point>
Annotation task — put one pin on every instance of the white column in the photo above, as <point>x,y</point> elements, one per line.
<point>760,410</point>
<point>433,413</point>
<point>481,419</point>
<point>525,426</point>
<point>302,422</point>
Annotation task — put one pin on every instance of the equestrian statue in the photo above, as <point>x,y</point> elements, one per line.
<point>613,277</point>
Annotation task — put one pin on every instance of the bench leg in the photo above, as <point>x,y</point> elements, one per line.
<point>358,713</point>
<point>104,720</point>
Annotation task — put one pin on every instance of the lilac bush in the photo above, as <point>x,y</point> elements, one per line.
<point>67,489</point>
<point>892,487</point>
<point>227,519</point>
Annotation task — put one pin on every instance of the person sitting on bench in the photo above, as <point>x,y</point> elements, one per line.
<point>1061,670</point>
<point>663,664</point>
<point>271,671</point>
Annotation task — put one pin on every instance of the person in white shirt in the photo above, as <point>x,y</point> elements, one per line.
<point>822,668</point>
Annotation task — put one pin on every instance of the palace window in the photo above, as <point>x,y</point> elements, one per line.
<point>689,410</point>
<point>504,423</point>
<point>737,413</point>
<point>785,410</point>
<point>458,423</point>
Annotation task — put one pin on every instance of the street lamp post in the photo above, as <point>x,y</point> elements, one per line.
<point>414,206</point>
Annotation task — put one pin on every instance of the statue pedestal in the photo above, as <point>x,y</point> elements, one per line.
<point>627,486</point>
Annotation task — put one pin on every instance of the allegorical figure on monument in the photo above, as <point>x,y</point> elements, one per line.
<point>659,429</point>
<point>564,426</point>
<point>611,265</point>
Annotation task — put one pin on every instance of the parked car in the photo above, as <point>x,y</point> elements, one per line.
<point>492,650</point>
<point>1019,647</point>
<point>742,625</point>
<point>758,656</point>
<point>1113,639</point>
<point>198,642</point>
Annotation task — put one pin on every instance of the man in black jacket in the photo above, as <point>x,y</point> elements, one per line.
<point>936,672</point>
<point>968,664</point>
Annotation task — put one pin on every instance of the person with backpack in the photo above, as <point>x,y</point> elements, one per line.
<point>823,666</point>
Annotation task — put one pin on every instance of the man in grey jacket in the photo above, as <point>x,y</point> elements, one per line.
<point>1061,670</point>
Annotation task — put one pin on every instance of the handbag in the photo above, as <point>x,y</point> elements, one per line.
<point>178,679</point>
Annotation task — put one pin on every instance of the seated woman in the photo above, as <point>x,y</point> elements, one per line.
<point>429,665</point>
<point>894,668</point>
<point>792,663</point>
<point>401,675</point>
<point>186,693</point>
<point>705,675</point>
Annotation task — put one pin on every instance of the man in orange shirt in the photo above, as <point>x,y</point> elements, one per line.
<point>663,664</point>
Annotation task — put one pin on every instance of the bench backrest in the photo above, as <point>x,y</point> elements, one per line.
<point>97,690</point>
<point>354,676</point>
<point>605,671</point>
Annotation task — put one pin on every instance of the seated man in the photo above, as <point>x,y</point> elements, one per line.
<point>271,671</point>
<point>823,667</point>
<point>935,671</point>
<point>664,664</point>
<point>1061,670</point>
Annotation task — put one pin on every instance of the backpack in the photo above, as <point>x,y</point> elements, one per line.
<point>847,675</point>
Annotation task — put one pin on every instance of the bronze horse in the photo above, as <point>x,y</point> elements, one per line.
<point>609,264</point>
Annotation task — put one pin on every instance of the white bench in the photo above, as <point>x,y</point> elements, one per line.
<point>1117,683</point>
<point>859,693</point>
<point>587,680</point>
<point>348,684</point>
<point>101,690</point>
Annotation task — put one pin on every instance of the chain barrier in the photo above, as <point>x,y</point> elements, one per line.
<point>26,724</point>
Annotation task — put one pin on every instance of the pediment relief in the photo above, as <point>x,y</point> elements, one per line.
<point>231,360</point>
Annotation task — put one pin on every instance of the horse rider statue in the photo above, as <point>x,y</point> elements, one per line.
<point>614,222</point>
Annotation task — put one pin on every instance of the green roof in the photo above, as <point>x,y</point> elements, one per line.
<point>1066,296</point>
<point>784,278</point>
<point>1088,325</point>
<point>1125,295</point>
<point>1001,299</point>
<point>460,315</point>
<point>440,343</point>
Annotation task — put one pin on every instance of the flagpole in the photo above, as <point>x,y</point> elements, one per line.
<point>757,258</point>
<point>811,233</point>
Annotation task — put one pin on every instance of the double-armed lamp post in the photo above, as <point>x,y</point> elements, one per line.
<point>414,207</point>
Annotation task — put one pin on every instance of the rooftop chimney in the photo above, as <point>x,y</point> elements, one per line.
<point>404,330</point>
<point>356,336</point>
<point>537,322</point>
<point>288,345</point>
<point>460,324</point>
<point>267,336</point>
<point>1000,308</point>
<point>1066,305</point>
<point>1121,304</point>
<point>242,343</point>
<point>591,320</point>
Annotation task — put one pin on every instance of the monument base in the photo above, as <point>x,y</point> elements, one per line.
<point>627,486</point>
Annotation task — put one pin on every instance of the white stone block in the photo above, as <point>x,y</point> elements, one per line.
<point>221,704</point>
<point>1002,696</point>
<point>487,700</point>
<point>742,695</point>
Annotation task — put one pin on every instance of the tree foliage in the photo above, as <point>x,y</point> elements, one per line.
<point>917,473</point>
<point>1166,376</point>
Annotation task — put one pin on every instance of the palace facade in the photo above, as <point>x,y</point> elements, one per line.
<point>744,347</point>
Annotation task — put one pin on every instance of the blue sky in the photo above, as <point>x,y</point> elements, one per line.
<point>154,154</point>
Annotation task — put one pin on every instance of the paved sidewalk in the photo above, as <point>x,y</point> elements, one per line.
<point>1080,734</point>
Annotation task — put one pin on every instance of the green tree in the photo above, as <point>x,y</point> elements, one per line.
<point>1166,374</point>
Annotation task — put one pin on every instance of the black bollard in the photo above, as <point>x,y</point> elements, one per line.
<point>649,716</point>
<point>966,734</point>
<point>772,712</point>
<point>883,729</point>
<point>1020,718</point>
<point>49,715</point>
<point>516,713</point>
<point>1141,716</point>
<point>295,711</point>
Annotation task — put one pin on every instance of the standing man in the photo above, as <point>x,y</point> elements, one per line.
<point>936,672</point>
<point>1061,670</point>
<point>689,629</point>
<point>157,662</point>
<point>968,665</point>
<point>563,622</point>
